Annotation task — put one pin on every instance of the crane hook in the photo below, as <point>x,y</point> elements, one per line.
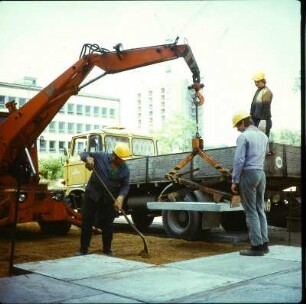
<point>198,98</point>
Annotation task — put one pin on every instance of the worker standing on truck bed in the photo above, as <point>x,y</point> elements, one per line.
<point>115,174</point>
<point>261,105</point>
<point>248,174</point>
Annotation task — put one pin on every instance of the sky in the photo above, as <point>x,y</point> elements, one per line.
<point>230,40</point>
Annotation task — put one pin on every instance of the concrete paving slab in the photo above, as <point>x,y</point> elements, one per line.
<point>156,284</point>
<point>36,288</point>
<point>277,288</point>
<point>80,267</point>
<point>233,265</point>
<point>226,278</point>
<point>286,253</point>
<point>102,298</point>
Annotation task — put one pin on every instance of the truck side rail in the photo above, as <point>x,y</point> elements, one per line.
<point>284,162</point>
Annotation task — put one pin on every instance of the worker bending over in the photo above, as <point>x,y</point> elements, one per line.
<point>115,174</point>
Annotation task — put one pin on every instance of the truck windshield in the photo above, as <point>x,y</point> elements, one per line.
<point>111,141</point>
<point>79,145</point>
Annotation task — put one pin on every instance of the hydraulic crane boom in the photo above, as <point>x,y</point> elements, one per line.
<point>23,126</point>
<point>22,197</point>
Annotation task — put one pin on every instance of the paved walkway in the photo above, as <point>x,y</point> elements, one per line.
<point>226,278</point>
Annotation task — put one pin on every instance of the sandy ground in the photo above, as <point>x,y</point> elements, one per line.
<point>31,245</point>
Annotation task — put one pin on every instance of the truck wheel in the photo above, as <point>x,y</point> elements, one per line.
<point>182,224</point>
<point>141,219</point>
<point>55,227</point>
<point>234,221</point>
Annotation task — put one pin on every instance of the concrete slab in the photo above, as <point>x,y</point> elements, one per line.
<point>80,267</point>
<point>227,278</point>
<point>283,287</point>
<point>156,284</point>
<point>102,298</point>
<point>233,265</point>
<point>36,288</point>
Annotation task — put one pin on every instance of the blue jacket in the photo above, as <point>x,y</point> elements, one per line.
<point>116,180</point>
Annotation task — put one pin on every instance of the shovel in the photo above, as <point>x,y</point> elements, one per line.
<point>143,253</point>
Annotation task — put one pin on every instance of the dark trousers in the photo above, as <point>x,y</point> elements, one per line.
<point>100,214</point>
<point>268,124</point>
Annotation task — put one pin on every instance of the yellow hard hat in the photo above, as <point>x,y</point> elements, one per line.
<point>122,150</point>
<point>239,116</point>
<point>259,76</point>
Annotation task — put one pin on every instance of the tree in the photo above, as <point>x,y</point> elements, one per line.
<point>176,135</point>
<point>50,168</point>
<point>286,136</point>
<point>297,84</point>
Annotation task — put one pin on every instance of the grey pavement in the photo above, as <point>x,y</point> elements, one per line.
<point>225,278</point>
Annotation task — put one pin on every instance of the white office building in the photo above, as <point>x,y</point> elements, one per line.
<point>159,100</point>
<point>81,113</point>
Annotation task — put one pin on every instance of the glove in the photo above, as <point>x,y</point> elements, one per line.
<point>118,203</point>
<point>89,163</point>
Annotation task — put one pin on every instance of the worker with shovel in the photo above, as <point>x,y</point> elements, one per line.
<point>115,174</point>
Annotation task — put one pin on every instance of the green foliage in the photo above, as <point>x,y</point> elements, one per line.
<point>286,136</point>
<point>51,169</point>
<point>176,135</point>
<point>297,84</point>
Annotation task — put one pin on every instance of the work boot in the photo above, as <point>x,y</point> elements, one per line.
<point>81,252</point>
<point>253,251</point>
<point>108,252</point>
<point>266,247</point>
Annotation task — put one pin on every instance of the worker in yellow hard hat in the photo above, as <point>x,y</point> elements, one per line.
<point>261,104</point>
<point>110,175</point>
<point>249,180</point>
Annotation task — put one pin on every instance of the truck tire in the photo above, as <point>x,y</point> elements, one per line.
<point>141,219</point>
<point>234,221</point>
<point>182,224</point>
<point>55,227</point>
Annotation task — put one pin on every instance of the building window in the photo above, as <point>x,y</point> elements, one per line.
<point>71,127</point>
<point>52,127</point>
<point>96,127</point>
<point>87,127</point>
<point>112,113</point>
<point>71,108</point>
<point>88,110</point>
<point>96,111</point>
<point>22,101</point>
<point>104,112</point>
<point>61,146</point>
<point>52,146</point>
<point>11,98</point>
<point>63,109</point>
<point>42,144</point>
<point>2,101</point>
<point>79,109</point>
<point>79,128</point>
<point>61,127</point>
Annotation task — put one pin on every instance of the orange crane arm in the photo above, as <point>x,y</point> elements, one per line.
<point>22,127</point>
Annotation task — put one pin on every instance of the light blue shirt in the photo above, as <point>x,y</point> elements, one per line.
<point>252,147</point>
